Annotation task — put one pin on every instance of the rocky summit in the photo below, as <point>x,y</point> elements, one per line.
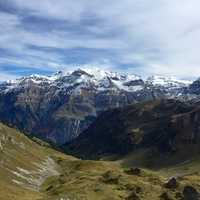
<point>58,108</point>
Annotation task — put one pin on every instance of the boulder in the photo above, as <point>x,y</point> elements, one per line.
<point>172,183</point>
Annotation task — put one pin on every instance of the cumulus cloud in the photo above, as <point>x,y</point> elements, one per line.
<point>145,37</point>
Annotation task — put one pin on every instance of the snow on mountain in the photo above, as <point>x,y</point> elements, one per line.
<point>101,74</point>
<point>99,79</point>
<point>95,79</point>
<point>107,79</point>
<point>167,82</point>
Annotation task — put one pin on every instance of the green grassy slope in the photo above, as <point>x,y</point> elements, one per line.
<point>29,171</point>
<point>24,165</point>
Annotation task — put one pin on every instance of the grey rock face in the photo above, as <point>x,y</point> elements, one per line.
<point>194,88</point>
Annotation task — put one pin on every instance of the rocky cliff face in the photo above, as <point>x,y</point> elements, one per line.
<point>59,107</point>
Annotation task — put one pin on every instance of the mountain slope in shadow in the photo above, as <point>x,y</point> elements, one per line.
<point>166,127</point>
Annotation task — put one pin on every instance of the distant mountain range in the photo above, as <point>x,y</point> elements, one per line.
<point>58,108</point>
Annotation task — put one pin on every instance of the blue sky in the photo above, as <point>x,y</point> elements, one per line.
<point>140,36</point>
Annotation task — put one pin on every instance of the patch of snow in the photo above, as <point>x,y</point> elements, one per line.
<point>167,81</point>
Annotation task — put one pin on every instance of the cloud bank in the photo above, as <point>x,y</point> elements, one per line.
<point>139,36</point>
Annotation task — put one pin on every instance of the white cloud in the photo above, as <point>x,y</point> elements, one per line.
<point>160,36</point>
<point>7,76</point>
<point>62,9</point>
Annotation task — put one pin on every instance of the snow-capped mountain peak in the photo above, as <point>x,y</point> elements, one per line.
<point>97,79</point>
<point>99,74</point>
<point>165,81</point>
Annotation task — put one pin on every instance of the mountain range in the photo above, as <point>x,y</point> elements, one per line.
<point>166,126</point>
<point>58,108</point>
